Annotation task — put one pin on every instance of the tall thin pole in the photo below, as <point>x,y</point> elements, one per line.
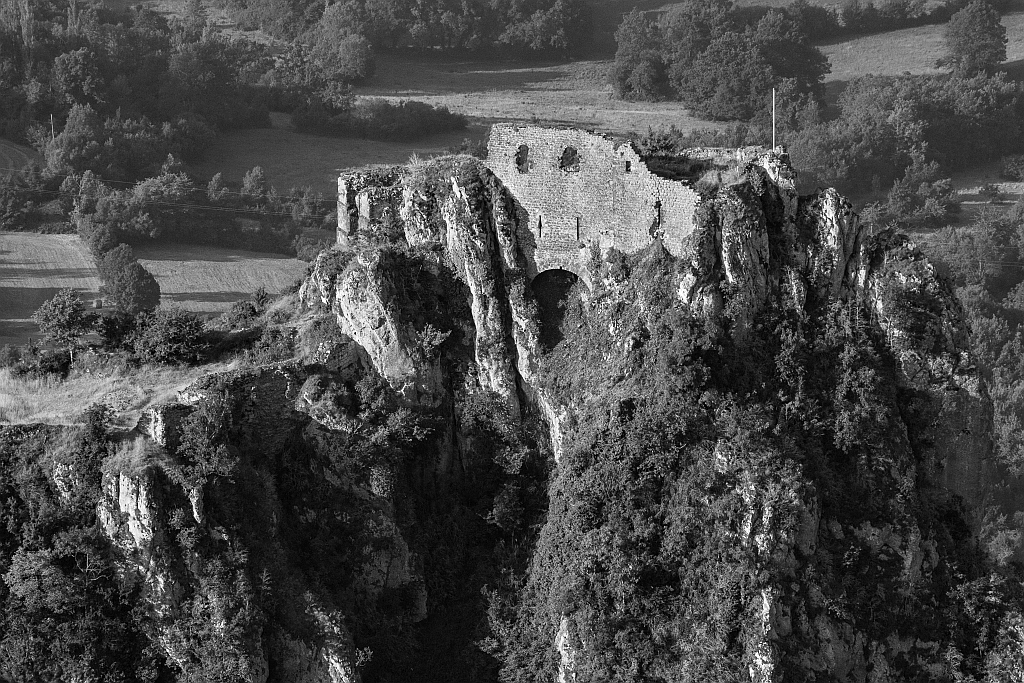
<point>773,118</point>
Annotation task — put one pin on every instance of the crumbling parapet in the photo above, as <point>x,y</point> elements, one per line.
<point>364,196</point>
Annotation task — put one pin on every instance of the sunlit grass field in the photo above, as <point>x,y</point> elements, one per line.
<point>128,391</point>
<point>198,278</point>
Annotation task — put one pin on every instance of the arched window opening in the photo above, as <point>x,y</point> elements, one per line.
<point>540,227</point>
<point>578,224</point>
<point>523,159</point>
<point>570,160</point>
<point>629,165</point>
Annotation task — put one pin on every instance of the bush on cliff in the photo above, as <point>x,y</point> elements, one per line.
<point>169,335</point>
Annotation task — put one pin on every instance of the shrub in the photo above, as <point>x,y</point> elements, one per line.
<point>310,243</point>
<point>991,192</point>
<point>275,344</point>
<point>1013,167</point>
<point>169,335</point>
<point>378,119</point>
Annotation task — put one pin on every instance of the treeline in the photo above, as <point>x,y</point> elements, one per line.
<point>143,87</point>
<point>171,207</point>
<point>704,54</point>
<point>133,67</point>
<point>853,17</point>
<point>514,26</point>
<point>723,62</point>
<point>900,135</point>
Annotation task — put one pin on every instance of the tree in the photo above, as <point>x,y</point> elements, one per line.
<point>194,21</point>
<point>690,26</point>
<point>975,39</point>
<point>730,80</point>
<point>254,183</point>
<point>130,287</point>
<point>63,319</point>
<point>76,77</point>
<point>639,70</point>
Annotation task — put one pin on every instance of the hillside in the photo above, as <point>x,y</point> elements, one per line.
<point>757,448</point>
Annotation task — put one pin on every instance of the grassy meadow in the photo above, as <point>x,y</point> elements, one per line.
<point>32,268</point>
<point>128,391</point>
<point>198,278</point>
<point>913,50</point>
<point>206,279</point>
<point>292,159</point>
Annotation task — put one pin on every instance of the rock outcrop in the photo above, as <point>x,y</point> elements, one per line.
<point>754,245</point>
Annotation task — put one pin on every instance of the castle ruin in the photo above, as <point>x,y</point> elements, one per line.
<point>573,189</point>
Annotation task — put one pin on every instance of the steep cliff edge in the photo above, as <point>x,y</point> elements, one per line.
<point>762,457</point>
<point>815,378</point>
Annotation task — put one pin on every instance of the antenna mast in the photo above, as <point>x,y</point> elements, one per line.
<point>773,118</point>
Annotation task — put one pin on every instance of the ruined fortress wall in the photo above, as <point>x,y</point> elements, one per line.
<point>363,196</point>
<point>611,199</point>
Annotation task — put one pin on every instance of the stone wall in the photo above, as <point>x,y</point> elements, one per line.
<point>609,197</point>
<point>364,196</point>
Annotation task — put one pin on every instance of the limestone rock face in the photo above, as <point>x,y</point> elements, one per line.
<point>753,241</point>
<point>472,244</point>
<point>368,312</point>
<point>832,233</point>
<point>135,513</point>
<point>129,513</point>
<point>928,333</point>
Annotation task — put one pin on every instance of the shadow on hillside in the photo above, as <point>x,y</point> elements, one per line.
<point>43,273</point>
<point>195,254</point>
<point>209,297</point>
<point>402,75</point>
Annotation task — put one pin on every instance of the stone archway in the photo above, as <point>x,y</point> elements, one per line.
<point>553,291</point>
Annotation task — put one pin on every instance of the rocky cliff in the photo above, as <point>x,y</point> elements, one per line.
<point>763,456</point>
<point>783,282</point>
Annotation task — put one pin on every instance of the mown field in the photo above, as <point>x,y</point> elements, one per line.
<point>201,279</point>
<point>292,159</point>
<point>912,50</point>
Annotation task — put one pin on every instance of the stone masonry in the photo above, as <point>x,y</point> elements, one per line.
<point>574,189</point>
<point>609,197</point>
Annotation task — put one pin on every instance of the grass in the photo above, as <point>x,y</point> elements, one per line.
<point>209,279</point>
<point>127,391</point>
<point>32,268</point>
<point>292,159</point>
<point>198,278</point>
<point>913,50</point>
<point>553,93</point>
